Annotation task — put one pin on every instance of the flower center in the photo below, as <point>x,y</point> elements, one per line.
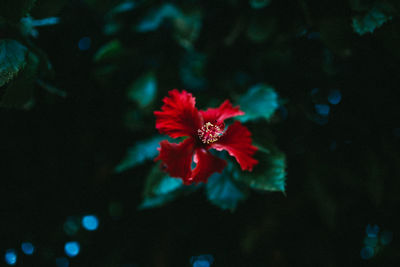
<point>209,133</point>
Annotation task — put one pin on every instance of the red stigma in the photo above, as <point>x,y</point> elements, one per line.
<point>209,133</point>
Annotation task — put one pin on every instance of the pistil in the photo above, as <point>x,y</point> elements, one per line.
<point>209,133</point>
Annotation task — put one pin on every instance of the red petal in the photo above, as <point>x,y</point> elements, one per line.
<point>177,158</point>
<point>178,116</point>
<point>207,164</point>
<point>237,141</point>
<point>224,111</point>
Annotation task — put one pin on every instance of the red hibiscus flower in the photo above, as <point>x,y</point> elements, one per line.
<point>205,130</point>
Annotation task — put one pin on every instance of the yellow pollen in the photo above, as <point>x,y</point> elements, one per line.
<point>209,133</point>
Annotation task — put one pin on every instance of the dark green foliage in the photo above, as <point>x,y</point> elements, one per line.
<point>374,18</point>
<point>109,51</point>
<point>160,189</point>
<point>269,174</point>
<point>143,90</point>
<point>256,4</point>
<point>143,150</point>
<point>22,63</point>
<point>224,192</point>
<point>18,71</point>
<point>13,10</point>
<point>259,102</point>
<point>85,139</point>
<point>12,59</point>
<point>19,92</point>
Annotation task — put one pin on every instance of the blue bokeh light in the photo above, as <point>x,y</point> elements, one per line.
<point>202,261</point>
<point>28,248</point>
<point>84,43</point>
<point>322,109</point>
<point>334,97</point>
<point>72,248</point>
<point>367,253</point>
<point>10,257</point>
<point>62,262</point>
<point>90,222</point>
<point>372,230</point>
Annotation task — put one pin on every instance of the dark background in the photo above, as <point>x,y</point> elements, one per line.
<point>57,159</point>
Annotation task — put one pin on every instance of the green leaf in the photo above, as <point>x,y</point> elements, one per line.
<point>372,20</point>
<point>269,174</point>
<point>260,101</point>
<point>12,59</point>
<point>115,16</point>
<point>110,50</point>
<point>186,25</point>
<point>160,189</point>
<point>28,25</point>
<point>141,151</point>
<point>261,28</point>
<point>143,90</point>
<point>187,28</point>
<point>51,89</point>
<point>122,7</point>
<point>224,192</point>
<point>192,69</point>
<point>19,91</point>
<point>15,9</point>
<point>257,4</point>
<point>156,17</point>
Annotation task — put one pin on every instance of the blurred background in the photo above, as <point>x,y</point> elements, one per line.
<point>80,79</point>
